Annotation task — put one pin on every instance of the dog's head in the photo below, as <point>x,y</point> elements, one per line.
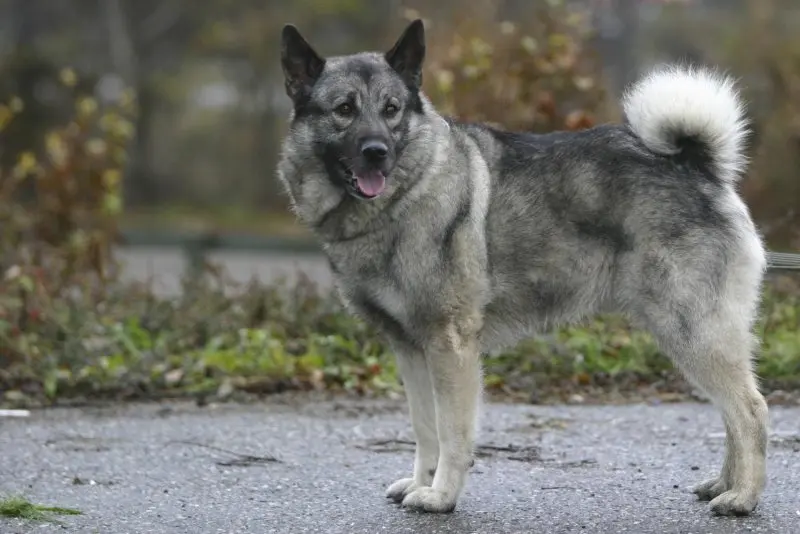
<point>356,109</point>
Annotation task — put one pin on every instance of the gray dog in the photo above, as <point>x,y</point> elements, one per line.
<point>455,239</point>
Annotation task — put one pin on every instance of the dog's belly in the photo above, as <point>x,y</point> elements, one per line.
<point>527,305</point>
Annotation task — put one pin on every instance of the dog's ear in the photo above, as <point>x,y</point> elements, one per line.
<point>301,64</point>
<point>408,53</point>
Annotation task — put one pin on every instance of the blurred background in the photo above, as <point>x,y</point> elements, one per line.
<point>184,98</point>
<point>147,131</point>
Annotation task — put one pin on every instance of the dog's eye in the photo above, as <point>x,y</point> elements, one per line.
<point>344,110</point>
<point>391,110</point>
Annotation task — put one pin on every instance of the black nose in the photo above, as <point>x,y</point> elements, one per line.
<point>374,150</point>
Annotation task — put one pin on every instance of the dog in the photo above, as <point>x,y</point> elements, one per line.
<point>455,239</point>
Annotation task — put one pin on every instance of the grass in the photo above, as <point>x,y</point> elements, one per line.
<point>20,508</point>
<point>220,339</point>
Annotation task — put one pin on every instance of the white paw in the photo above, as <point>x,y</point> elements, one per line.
<point>735,503</point>
<point>427,499</point>
<point>710,489</point>
<point>401,488</point>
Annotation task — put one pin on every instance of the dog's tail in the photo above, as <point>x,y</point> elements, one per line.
<point>690,113</point>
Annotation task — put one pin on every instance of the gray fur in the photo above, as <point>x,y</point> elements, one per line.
<point>482,238</point>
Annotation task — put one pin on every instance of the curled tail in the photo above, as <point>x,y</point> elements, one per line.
<point>692,112</point>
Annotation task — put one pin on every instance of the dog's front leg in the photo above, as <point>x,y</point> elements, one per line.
<point>454,365</point>
<point>413,367</point>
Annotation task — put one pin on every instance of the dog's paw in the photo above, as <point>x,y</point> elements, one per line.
<point>710,489</point>
<point>401,488</point>
<point>427,499</point>
<point>734,503</point>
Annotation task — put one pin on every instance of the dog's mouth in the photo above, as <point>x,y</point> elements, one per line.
<point>370,184</point>
<point>366,184</point>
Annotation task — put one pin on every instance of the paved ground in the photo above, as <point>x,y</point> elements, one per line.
<point>167,266</point>
<point>180,468</point>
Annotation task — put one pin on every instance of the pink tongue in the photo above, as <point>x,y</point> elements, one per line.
<point>371,183</point>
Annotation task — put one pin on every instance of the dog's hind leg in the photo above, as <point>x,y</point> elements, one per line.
<point>723,372</point>
<point>704,325</point>
<point>454,364</point>
<point>413,369</point>
<point>716,486</point>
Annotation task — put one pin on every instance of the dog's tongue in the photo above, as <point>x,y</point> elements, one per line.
<point>371,183</point>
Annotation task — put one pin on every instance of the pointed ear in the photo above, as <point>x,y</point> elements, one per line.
<point>408,53</point>
<point>301,64</point>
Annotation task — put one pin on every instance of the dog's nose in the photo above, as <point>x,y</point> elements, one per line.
<point>374,150</point>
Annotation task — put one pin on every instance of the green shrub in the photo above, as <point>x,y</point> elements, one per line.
<point>69,224</point>
<point>220,338</point>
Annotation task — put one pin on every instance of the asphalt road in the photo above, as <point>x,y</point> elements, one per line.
<point>318,466</point>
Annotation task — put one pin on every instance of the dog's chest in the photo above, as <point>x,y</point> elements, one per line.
<point>390,283</point>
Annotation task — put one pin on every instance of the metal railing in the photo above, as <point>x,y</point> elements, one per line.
<point>783,261</point>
